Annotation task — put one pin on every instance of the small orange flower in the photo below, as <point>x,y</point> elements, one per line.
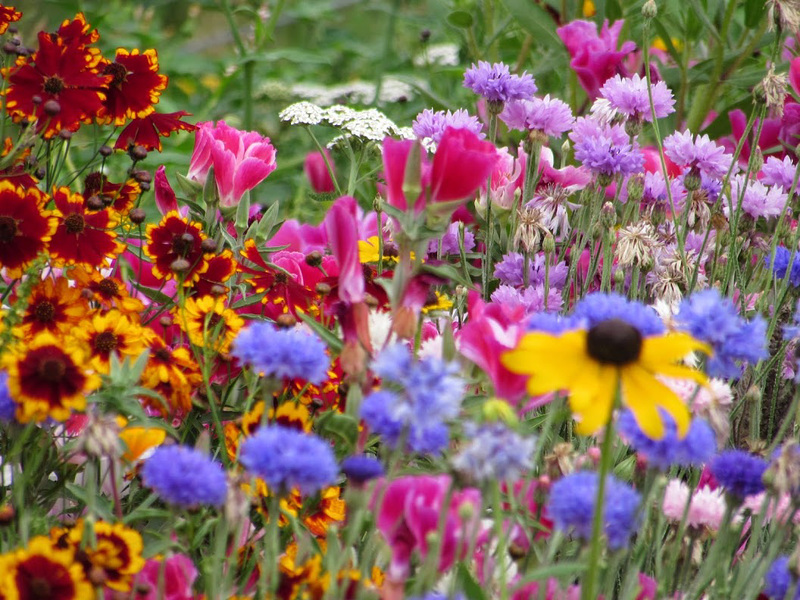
<point>117,552</point>
<point>118,196</point>
<point>25,226</point>
<point>175,247</point>
<point>173,373</point>
<point>208,322</point>
<point>107,292</point>
<point>53,306</point>
<point>8,14</point>
<point>113,332</point>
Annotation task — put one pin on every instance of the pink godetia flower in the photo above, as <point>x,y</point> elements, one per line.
<point>595,58</point>
<point>415,294</point>
<point>410,511</point>
<point>165,195</point>
<point>506,183</point>
<point>241,160</point>
<point>342,232</point>
<point>553,591</point>
<point>490,331</point>
<point>317,172</point>
<point>461,165</point>
<point>176,582</point>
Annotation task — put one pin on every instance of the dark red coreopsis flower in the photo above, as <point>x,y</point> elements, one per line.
<point>25,226</point>
<point>8,14</point>
<point>83,236</point>
<point>175,246</point>
<point>119,196</point>
<point>148,131</point>
<point>58,86</point>
<point>221,267</point>
<point>77,31</point>
<point>134,87</point>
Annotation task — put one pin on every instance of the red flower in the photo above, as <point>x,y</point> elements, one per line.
<point>58,86</point>
<point>134,88</point>
<point>221,267</point>
<point>461,165</point>
<point>25,226</point>
<point>120,196</point>
<point>148,131</point>
<point>175,246</point>
<point>8,14</point>
<point>77,31</point>
<point>83,237</point>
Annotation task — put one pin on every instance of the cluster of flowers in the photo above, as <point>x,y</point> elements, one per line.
<point>215,403</point>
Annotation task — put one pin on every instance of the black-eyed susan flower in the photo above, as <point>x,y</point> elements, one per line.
<point>48,376</point>
<point>83,236</point>
<point>43,571</point>
<point>175,245</point>
<point>208,322</point>
<point>114,558</point>
<point>53,306</point>
<point>25,226</point>
<point>608,344</point>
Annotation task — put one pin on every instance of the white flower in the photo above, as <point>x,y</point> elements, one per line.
<point>338,115</point>
<point>445,55</point>
<point>371,124</point>
<point>302,113</point>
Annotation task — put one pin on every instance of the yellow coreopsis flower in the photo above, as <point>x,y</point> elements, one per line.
<point>592,364</point>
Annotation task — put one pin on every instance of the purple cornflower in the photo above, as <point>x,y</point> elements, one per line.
<point>185,477</point>
<point>497,84</point>
<point>778,580</point>
<point>698,153</point>
<point>282,353</point>
<point>8,408</point>
<point>758,200</point>
<point>417,398</point>
<point>598,307</point>
<point>550,323</point>
<point>529,300</point>
<point>430,124</point>
<point>360,469</point>
<point>779,172</point>
<point>696,447</point>
<point>548,115</point>
<point>715,320</point>
<point>605,149</point>
<point>449,241</point>
<point>510,271</point>
<point>739,472</point>
<point>287,458</point>
<point>780,264</point>
<point>494,452</point>
<point>628,95</point>
<point>572,503</point>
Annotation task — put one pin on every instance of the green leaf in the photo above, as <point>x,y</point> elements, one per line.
<point>753,12</point>
<point>535,20</point>
<point>243,213</point>
<point>461,19</point>
<point>446,271</point>
<point>334,423</point>
<point>334,343</point>
<point>189,187</point>
<point>155,295</point>
<point>467,583</point>
<point>267,224</point>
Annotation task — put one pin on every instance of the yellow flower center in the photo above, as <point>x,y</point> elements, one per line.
<point>614,342</point>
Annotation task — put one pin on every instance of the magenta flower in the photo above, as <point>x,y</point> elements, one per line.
<point>340,225</point>
<point>595,57</point>
<point>241,160</point>
<point>165,195</point>
<point>409,513</point>
<point>630,97</point>
<point>548,115</point>
<point>179,574</point>
<point>317,172</point>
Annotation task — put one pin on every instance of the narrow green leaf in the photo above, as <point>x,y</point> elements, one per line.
<point>461,19</point>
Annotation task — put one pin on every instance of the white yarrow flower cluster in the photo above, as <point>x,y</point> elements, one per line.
<point>444,55</point>
<point>302,113</point>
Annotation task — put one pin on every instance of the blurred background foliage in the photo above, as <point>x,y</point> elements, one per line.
<point>245,60</point>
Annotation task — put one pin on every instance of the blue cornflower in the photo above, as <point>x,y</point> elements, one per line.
<point>572,501</point>
<point>185,477</point>
<point>780,264</point>
<point>510,270</point>
<point>710,318</point>
<point>494,452</point>
<point>417,399</point>
<point>497,84</point>
<point>8,408</point>
<point>288,458</point>
<point>778,580</point>
<point>360,469</point>
<point>282,353</point>
<point>696,447</point>
<point>739,472</point>
<point>598,307</point>
<point>550,323</point>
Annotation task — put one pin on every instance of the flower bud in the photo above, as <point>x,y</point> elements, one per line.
<point>650,10</point>
<point>137,216</point>
<point>608,216</point>
<point>548,243</point>
<point>208,245</point>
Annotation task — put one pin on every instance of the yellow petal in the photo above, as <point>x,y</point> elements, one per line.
<point>644,394</point>
<point>668,349</point>
<point>564,374</point>
<point>683,372</point>
<point>594,403</point>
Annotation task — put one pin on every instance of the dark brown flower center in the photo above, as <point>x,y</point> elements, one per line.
<point>614,342</point>
<point>44,311</point>
<point>53,85</point>
<point>75,223</point>
<point>52,370</point>
<point>118,72</point>
<point>281,277</point>
<point>8,229</point>
<point>40,588</point>
<point>213,321</point>
<point>162,354</point>
<point>105,342</point>
<point>93,183</point>
<point>108,288</point>
<point>182,244</point>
